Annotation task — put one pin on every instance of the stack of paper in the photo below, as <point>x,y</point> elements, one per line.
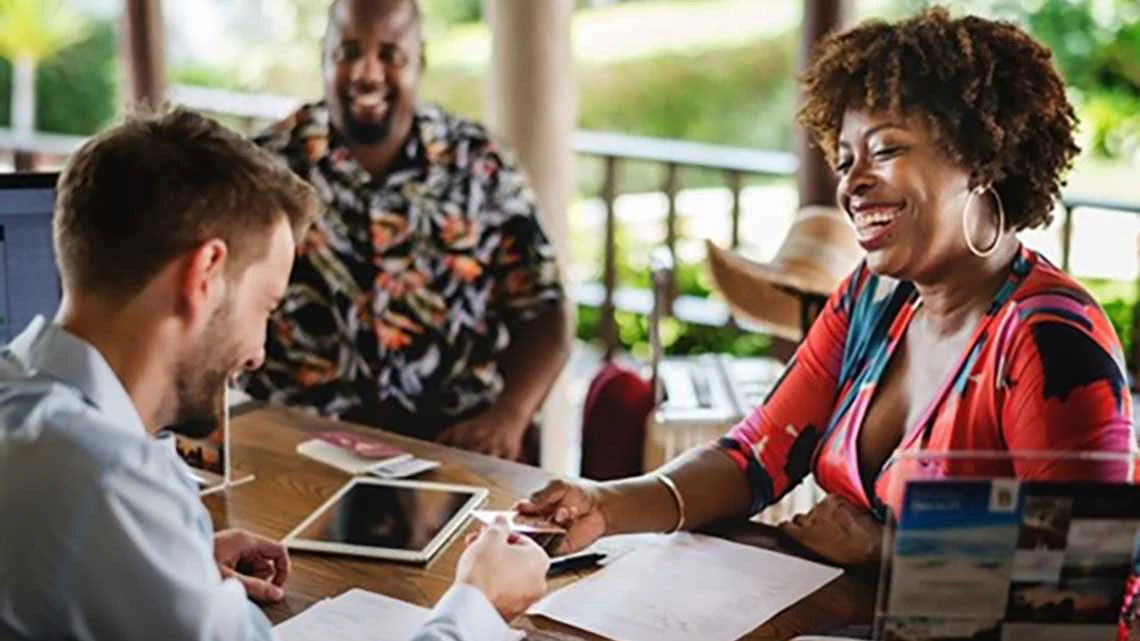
<point>359,615</point>
<point>691,587</point>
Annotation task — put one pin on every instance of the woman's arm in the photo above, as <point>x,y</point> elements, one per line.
<point>756,463</point>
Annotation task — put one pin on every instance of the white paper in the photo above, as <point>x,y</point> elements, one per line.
<point>691,587</point>
<point>359,615</point>
<point>618,545</point>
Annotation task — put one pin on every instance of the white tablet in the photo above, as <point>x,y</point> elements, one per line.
<point>386,519</point>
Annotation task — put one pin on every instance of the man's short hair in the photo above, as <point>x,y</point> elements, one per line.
<point>417,12</point>
<point>140,194</point>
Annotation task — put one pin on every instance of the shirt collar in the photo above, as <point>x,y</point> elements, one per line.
<point>49,349</point>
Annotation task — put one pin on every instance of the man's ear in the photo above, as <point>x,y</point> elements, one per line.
<point>202,284</point>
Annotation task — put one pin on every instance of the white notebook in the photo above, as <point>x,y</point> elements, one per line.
<point>359,615</point>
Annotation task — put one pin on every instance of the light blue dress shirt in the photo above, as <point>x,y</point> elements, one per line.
<point>102,534</point>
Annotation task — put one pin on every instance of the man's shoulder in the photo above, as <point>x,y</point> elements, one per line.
<point>481,149</point>
<point>451,125</point>
<point>43,420</point>
<point>308,121</point>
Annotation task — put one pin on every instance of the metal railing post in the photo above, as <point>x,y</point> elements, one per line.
<point>671,187</point>
<point>608,327</point>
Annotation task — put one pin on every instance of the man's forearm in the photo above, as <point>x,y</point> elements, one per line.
<point>531,364</point>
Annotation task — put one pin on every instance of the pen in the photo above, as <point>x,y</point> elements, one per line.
<point>578,562</point>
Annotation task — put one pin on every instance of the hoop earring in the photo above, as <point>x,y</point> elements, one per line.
<point>978,191</point>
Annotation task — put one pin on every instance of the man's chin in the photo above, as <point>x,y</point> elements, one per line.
<point>363,132</point>
<point>196,427</point>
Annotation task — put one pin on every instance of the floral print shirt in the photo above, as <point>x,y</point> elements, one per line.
<point>406,289</point>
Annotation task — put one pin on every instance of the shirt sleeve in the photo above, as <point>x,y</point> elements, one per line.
<point>773,446</point>
<point>525,267</point>
<point>148,565</point>
<point>1065,389</point>
<point>463,614</point>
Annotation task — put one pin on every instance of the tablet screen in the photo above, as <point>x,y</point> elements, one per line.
<point>386,516</point>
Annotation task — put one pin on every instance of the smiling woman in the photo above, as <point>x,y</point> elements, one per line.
<point>948,136</point>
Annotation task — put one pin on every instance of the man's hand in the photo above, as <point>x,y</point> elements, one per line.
<point>508,568</point>
<point>260,564</point>
<point>496,432</point>
<point>839,532</point>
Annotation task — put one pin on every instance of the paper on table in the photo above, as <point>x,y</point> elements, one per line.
<point>359,615</point>
<point>616,546</point>
<point>692,587</point>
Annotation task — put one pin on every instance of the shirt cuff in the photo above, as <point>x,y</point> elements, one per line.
<point>472,612</point>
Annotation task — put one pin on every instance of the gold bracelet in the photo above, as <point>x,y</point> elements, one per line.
<point>668,483</point>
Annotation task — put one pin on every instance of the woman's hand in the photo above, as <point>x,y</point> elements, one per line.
<point>839,532</point>
<point>574,506</point>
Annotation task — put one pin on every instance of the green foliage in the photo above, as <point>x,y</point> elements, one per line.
<point>1118,298</point>
<point>75,90</point>
<point>1120,312</point>
<point>1096,44</point>
<point>452,11</point>
<point>677,337</point>
<point>205,75</point>
<point>1112,120</point>
<point>740,96</point>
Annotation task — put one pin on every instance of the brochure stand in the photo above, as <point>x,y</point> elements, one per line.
<point>972,551</point>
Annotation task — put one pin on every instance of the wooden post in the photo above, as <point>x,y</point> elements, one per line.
<point>532,106</point>
<point>736,186</point>
<point>143,52</point>
<point>815,180</point>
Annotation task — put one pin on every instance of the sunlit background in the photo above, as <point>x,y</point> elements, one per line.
<point>710,71</point>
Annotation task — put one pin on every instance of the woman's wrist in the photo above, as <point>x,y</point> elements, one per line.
<point>608,496</point>
<point>636,505</point>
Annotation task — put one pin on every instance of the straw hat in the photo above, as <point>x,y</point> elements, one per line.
<point>819,251</point>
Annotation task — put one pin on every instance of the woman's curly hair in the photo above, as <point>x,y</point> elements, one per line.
<point>985,88</point>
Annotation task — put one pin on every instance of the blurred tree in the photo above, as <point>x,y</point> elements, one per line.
<point>32,32</point>
<point>1096,46</point>
<point>75,90</point>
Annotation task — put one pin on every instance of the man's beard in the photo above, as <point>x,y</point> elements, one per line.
<point>360,132</point>
<point>199,382</point>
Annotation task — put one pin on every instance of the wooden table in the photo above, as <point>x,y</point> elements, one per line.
<point>288,487</point>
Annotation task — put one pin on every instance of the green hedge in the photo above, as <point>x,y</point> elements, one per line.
<point>1118,299</point>
<point>741,96</point>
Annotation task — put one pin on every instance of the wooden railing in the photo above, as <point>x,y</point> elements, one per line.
<point>248,112</point>
<point>613,149</point>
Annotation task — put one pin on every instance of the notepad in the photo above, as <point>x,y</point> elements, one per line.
<point>359,615</point>
<point>690,587</point>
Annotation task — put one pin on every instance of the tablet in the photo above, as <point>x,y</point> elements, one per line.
<point>387,519</point>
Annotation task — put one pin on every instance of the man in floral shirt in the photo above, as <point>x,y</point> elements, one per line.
<point>426,300</point>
